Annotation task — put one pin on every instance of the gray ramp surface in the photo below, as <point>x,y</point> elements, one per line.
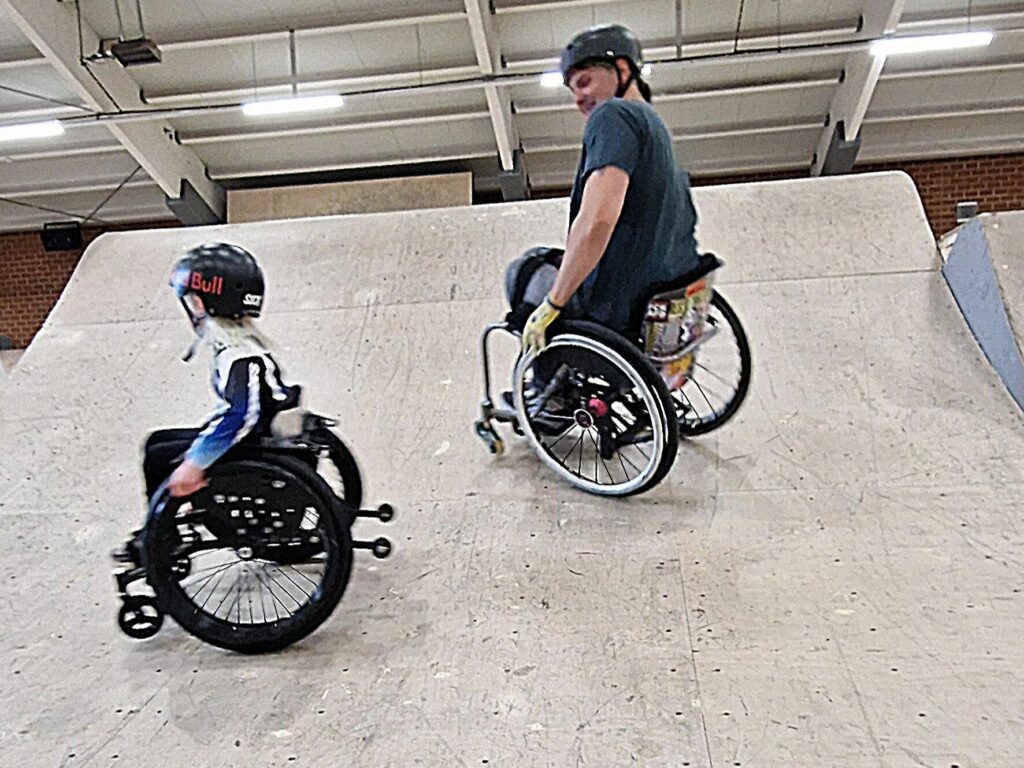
<point>833,579</point>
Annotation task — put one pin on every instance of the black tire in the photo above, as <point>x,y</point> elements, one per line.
<point>338,468</point>
<point>576,332</point>
<point>692,398</point>
<point>165,548</point>
<point>344,463</point>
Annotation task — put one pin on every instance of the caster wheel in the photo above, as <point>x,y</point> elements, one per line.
<point>490,437</point>
<point>140,618</point>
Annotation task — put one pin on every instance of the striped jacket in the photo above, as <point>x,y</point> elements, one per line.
<point>250,391</point>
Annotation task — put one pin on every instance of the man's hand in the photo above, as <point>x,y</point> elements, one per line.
<point>535,330</point>
<point>186,479</point>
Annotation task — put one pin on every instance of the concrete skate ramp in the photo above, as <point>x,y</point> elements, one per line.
<point>832,580</point>
<point>985,271</point>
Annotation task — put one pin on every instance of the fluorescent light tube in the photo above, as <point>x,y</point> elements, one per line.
<point>31,130</point>
<point>291,105</point>
<point>551,80</point>
<point>922,44</point>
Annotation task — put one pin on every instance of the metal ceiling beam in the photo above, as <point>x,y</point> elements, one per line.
<point>125,215</point>
<point>318,130</point>
<point>488,57</point>
<point>106,149</point>
<point>688,136</point>
<point>332,29</point>
<point>104,186</point>
<point>710,93</point>
<point>283,86</point>
<point>56,31</point>
<point>246,173</point>
<point>840,139</point>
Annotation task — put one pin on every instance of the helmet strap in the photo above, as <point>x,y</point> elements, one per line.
<point>197,329</point>
<point>623,87</point>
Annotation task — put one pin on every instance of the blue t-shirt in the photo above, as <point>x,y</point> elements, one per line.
<point>653,241</point>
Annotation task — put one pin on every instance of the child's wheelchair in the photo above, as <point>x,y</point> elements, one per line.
<point>260,557</point>
<point>606,412</point>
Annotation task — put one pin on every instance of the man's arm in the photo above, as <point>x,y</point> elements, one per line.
<point>600,208</point>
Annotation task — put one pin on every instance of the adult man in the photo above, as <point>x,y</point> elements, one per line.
<point>631,217</point>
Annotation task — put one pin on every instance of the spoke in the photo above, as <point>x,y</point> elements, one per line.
<point>597,455</point>
<point>304,576</point>
<point>238,598</point>
<point>579,471</point>
<point>566,432</point>
<point>275,600</point>
<point>564,458</point>
<point>224,599</point>
<point>711,373</point>
<point>213,590</point>
<point>701,390</point>
<point>295,584</point>
<point>204,581</point>
<point>625,472</point>
<point>634,466</point>
<point>217,567</point>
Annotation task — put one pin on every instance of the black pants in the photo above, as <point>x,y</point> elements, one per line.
<point>164,451</point>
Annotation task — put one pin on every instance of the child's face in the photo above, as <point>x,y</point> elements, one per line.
<point>195,305</point>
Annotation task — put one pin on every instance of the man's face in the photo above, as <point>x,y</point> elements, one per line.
<point>592,85</point>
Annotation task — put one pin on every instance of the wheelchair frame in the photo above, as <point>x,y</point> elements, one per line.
<point>141,616</point>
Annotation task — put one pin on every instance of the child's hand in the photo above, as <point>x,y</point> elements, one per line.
<point>186,479</point>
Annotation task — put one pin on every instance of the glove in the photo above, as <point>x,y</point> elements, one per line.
<point>535,330</point>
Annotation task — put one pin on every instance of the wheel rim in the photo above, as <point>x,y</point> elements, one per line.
<point>580,452</point>
<point>716,383</point>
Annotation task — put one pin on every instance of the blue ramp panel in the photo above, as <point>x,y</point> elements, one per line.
<point>975,286</point>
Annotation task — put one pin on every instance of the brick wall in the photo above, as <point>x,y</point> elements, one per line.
<point>995,182</point>
<point>32,280</point>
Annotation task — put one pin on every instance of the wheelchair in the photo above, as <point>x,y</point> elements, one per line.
<point>605,411</point>
<point>260,557</point>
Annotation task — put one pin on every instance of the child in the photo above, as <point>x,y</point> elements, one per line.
<point>221,288</point>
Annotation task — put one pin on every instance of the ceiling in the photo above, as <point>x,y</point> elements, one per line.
<point>743,85</point>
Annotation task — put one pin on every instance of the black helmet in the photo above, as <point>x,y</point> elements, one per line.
<point>226,277</point>
<point>606,42</point>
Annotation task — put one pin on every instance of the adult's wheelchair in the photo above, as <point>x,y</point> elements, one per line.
<point>605,411</point>
<point>260,557</point>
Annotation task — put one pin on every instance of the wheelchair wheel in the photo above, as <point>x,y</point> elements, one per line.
<point>340,469</point>
<point>237,593</point>
<point>720,377</point>
<point>596,412</point>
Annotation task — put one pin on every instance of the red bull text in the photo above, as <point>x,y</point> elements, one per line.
<point>213,286</point>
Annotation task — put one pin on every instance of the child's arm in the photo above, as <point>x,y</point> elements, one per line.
<point>236,419</point>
